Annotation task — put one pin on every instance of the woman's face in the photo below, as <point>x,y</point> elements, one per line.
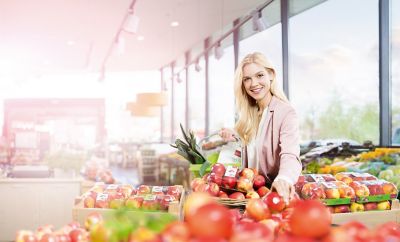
<point>256,81</point>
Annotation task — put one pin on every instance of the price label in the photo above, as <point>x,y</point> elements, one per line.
<point>156,189</point>
<point>150,197</point>
<point>231,171</point>
<point>317,178</point>
<point>102,197</point>
<point>112,187</point>
<point>98,183</point>
<point>329,185</point>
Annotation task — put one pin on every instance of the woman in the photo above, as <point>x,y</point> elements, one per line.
<point>267,125</point>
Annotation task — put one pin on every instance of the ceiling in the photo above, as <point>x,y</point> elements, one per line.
<point>58,36</point>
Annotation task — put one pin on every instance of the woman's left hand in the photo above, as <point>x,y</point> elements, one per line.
<point>284,189</point>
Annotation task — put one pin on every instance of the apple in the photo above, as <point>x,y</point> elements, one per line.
<point>176,231</point>
<point>257,209</point>
<point>331,209</point>
<point>25,236</point>
<point>213,189</point>
<point>229,182</point>
<point>143,189</point>
<point>195,201</point>
<point>259,181</point>
<point>222,194</point>
<point>49,237</point>
<point>166,200</point>
<point>341,209</point>
<point>237,195</point>
<point>359,189</point>
<point>389,188</point>
<point>251,232</point>
<point>92,219</point>
<point>332,193</point>
<point>389,229</point>
<point>88,202</point>
<point>272,224</point>
<point>218,169</point>
<point>356,207</point>
<point>63,238</point>
<point>78,235</point>
<point>245,184</point>
<point>312,190</point>
<point>150,205</point>
<point>252,194</point>
<point>370,206</point>
<point>274,202</point>
<point>236,216</point>
<point>205,177</point>
<point>134,202</point>
<point>262,191</point>
<point>202,188</point>
<point>346,192</point>
<point>385,205</point>
<point>196,182</point>
<point>215,178</point>
<point>247,173</point>
<point>375,189</point>
<point>174,191</point>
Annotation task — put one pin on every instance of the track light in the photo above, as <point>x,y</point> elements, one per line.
<point>197,67</point>
<point>131,23</point>
<point>178,78</point>
<point>258,22</point>
<point>218,51</point>
<point>120,45</point>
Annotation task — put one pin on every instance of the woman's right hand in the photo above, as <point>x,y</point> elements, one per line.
<point>227,135</point>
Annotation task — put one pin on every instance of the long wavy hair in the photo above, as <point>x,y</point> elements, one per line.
<point>246,107</point>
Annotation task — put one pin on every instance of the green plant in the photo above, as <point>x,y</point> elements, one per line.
<point>65,160</point>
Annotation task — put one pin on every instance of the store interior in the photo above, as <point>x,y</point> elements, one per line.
<point>111,115</point>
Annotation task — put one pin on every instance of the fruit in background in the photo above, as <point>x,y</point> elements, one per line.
<point>245,184</point>
<point>215,178</point>
<point>211,220</point>
<point>311,219</point>
<point>176,231</point>
<point>344,178</point>
<point>134,202</point>
<point>312,190</point>
<point>346,192</point>
<point>165,201</point>
<point>385,205</point>
<point>92,219</point>
<point>331,209</point>
<point>293,201</point>
<point>229,182</point>
<point>356,207</point>
<point>195,183</point>
<point>205,177</point>
<point>174,191</point>
<point>375,189</point>
<point>219,169</point>
<point>370,206</point>
<point>332,193</point>
<point>202,188</point>
<point>272,224</point>
<point>236,216</point>
<point>222,194</point>
<point>150,205</point>
<point>274,202</point>
<point>247,173</point>
<point>237,195</point>
<point>25,236</point>
<point>88,202</point>
<point>213,189</point>
<point>341,209</point>
<point>194,201</point>
<point>116,201</point>
<point>251,231</point>
<point>63,238</point>
<point>389,228</point>
<point>49,237</point>
<point>258,182</point>
<point>389,188</point>
<point>257,209</point>
<point>143,189</point>
<point>101,204</point>
<point>252,194</point>
<point>262,191</point>
<point>78,235</point>
<point>359,189</point>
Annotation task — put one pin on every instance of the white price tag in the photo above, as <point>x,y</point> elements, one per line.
<point>102,197</point>
<point>156,189</point>
<point>150,197</point>
<point>231,171</point>
<point>112,187</point>
<point>329,185</point>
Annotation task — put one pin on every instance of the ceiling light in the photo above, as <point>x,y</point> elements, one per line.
<point>174,24</point>
<point>120,45</point>
<point>258,22</point>
<point>178,78</point>
<point>131,23</point>
<point>71,42</point>
<point>140,37</point>
<point>197,67</point>
<point>218,51</point>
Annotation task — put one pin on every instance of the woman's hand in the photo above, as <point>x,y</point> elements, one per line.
<point>227,135</point>
<point>284,189</point>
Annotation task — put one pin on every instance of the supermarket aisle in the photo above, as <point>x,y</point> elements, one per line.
<point>125,175</point>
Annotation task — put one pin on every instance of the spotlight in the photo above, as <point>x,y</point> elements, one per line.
<point>218,51</point>
<point>197,67</point>
<point>258,22</point>
<point>178,78</point>
<point>131,23</point>
<point>120,45</point>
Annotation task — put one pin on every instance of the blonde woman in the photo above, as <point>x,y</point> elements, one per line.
<point>267,125</point>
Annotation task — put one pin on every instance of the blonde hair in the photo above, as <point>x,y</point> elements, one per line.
<point>246,106</point>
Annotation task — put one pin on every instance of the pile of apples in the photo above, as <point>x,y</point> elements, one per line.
<point>240,184</point>
<point>124,195</point>
<point>94,172</point>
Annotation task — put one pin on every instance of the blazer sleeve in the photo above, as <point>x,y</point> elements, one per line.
<point>290,165</point>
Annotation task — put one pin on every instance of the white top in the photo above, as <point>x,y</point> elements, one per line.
<point>252,152</point>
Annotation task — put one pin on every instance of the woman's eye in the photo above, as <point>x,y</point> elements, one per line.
<point>260,75</point>
<point>246,79</point>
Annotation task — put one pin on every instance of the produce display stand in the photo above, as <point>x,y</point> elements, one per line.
<point>370,218</point>
<point>86,185</point>
<point>79,213</point>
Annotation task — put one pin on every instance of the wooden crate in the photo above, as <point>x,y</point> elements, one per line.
<point>79,213</point>
<point>370,218</point>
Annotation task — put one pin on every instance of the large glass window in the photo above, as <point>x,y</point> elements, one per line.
<point>396,72</point>
<point>197,98</point>
<point>179,103</point>
<point>167,136</point>
<point>334,77</point>
<point>222,101</point>
<point>268,42</point>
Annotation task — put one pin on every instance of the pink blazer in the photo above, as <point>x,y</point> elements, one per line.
<point>280,149</point>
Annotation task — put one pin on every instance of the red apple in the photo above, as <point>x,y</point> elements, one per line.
<point>237,195</point>
<point>88,202</point>
<point>92,219</point>
<point>359,189</point>
<point>176,231</point>
<point>222,194</point>
<point>274,202</point>
<point>247,173</point>
<point>194,201</point>
<point>166,200</point>
<point>78,235</point>
<point>213,189</point>
<point>219,169</point>
<point>229,182</point>
<point>252,232</point>
<point>262,191</point>
<point>134,202</point>
<point>370,206</point>
<point>245,184</point>
<point>195,183</point>
<point>341,209</point>
<point>143,189</point>
<point>101,201</point>
<point>389,188</point>
<point>116,201</point>
<point>215,178</point>
<point>174,191</point>
<point>202,188</point>
<point>347,192</point>
<point>259,181</point>
<point>332,193</point>
<point>312,190</point>
<point>257,209</point>
<point>236,216</point>
<point>25,236</point>
<point>150,205</point>
<point>252,194</point>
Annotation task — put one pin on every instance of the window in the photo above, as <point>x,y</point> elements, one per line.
<point>395,73</point>
<point>179,103</point>
<point>167,136</point>
<point>334,77</point>
<point>197,99</point>
<point>221,79</point>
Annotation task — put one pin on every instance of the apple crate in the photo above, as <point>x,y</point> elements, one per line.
<point>370,218</point>
<point>79,212</point>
